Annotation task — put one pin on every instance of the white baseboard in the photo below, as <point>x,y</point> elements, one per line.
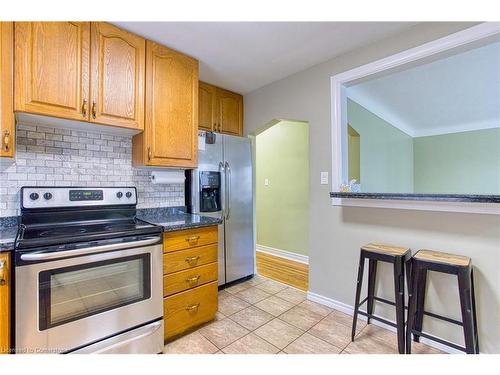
<point>348,309</point>
<point>282,254</point>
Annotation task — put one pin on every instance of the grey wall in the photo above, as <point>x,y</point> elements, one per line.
<point>336,233</point>
<point>62,157</point>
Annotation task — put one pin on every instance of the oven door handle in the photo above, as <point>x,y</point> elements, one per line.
<point>88,250</point>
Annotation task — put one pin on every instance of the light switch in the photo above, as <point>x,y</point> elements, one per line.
<point>324,178</point>
<point>266,182</point>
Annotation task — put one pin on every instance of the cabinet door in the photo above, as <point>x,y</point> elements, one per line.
<point>4,303</point>
<point>6,89</point>
<point>117,87</point>
<point>52,68</point>
<point>171,108</point>
<point>206,106</point>
<point>230,112</point>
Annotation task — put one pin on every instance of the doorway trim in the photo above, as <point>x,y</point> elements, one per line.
<point>415,55</point>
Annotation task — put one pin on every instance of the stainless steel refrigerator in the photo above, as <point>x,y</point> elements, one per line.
<point>222,187</point>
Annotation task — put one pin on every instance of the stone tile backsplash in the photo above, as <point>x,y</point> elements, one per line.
<point>61,157</point>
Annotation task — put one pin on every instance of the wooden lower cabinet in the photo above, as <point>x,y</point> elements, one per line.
<point>179,281</point>
<point>188,309</point>
<point>190,272</point>
<point>5,303</point>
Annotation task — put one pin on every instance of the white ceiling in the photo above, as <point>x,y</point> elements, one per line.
<point>453,94</point>
<point>243,56</point>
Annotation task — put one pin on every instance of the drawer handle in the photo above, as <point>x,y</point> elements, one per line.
<point>192,259</point>
<point>193,307</point>
<point>3,273</point>
<point>193,280</point>
<point>193,239</point>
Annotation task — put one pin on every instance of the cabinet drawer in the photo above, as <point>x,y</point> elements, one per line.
<point>190,258</point>
<point>189,309</point>
<point>186,239</point>
<point>183,280</point>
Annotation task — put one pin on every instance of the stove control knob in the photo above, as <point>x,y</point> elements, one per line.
<point>129,194</point>
<point>34,196</point>
<point>119,194</point>
<point>47,196</point>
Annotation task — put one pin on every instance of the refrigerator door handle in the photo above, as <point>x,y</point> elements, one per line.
<point>222,171</point>
<point>228,190</point>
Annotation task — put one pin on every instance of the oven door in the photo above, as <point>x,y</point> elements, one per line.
<point>79,298</point>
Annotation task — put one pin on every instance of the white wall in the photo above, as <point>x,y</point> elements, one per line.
<point>336,233</point>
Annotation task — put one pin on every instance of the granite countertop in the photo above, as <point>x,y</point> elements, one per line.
<point>420,197</point>
<point>172,219</point>
<point>7,238</point>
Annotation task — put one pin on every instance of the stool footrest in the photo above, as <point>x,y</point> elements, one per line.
<point>383,300</point>
<point>437,339</point>
<point>371,316</point>
<point>445,318</point>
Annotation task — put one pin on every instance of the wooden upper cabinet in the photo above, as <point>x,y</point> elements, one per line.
<point>117,85</point>
<point>229,110</point>
<point>206,106</point>
<point>7,127</point>
<point>52,68</point>
<point>170,137</point>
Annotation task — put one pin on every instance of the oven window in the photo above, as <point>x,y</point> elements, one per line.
<point>71,293</point>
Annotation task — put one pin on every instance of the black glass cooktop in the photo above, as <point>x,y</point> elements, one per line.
<point>42,235</point>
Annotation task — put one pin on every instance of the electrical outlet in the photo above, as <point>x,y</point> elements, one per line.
<point>266,182</point>
<point>324,178</point>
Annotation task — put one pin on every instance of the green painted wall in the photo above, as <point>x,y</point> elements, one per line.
<point>460,163</point>
<point>282,207</point>
<point>386,152</point>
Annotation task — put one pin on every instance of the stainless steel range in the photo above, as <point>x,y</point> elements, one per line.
<point>88,273</point>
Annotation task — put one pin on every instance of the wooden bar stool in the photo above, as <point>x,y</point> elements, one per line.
<point>397,256</point>
<point>428,260</point>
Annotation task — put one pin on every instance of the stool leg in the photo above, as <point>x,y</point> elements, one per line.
<point>464,288</point>
<point>399,293</point>
<point>412,304</point>
<point>358,294</point>
<point>372,273</point>
<point>419,315</point>
<point>476,332</point>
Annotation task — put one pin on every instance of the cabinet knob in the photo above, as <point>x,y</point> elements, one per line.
<point>193,280</point>
<point>149,153</point>
<point>193,240</point>
<point>6,140</point>
<point>192,259</point>
<point>93,110</point>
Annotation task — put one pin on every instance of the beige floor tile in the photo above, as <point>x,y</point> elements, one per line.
<point>219,316</point>
<point>346,320</point>
<point>419,348</point>
<point>238,287</point>
<point>250,344</point>
<point>252,295</point>
<point>252,318</point>
<point>292,295</point>
<point>278,333</point>
<point>379,333</point>
<point>194,343</point>
<point>231,304</point>
<point>308,344</point>
<point>301,317</point>
<point>257,279</point>
<point>223,332</point>
<point>365,344</point>
<point>274,305</point>
<point>271,286</point>
<point>316,307</point>
<point>333,332</point>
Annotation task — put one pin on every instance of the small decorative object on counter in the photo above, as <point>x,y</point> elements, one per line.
<point>352,186</point>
